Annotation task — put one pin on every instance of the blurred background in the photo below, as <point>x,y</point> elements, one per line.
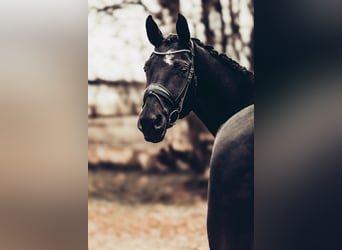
<point>143,195</point>
<point>43,103</point>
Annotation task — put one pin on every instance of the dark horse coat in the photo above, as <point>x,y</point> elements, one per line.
<point>230,206</point>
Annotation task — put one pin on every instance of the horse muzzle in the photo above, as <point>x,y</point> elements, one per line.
<point>152,126</point>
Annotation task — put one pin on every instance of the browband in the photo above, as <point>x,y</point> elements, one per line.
<point>172,52</point>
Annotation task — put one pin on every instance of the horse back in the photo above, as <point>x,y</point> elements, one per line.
<point>234,142</point>
<point>230,208</point>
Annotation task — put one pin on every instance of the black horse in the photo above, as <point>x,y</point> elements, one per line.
<point>185,75</point>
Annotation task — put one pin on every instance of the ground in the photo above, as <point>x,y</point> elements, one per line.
<point>133,202</point>
<point>134,210</point>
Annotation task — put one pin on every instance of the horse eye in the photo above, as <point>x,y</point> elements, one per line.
<point>184,69</point>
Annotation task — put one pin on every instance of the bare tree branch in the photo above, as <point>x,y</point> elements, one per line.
<point>99,81</point>
<point>109,9</point>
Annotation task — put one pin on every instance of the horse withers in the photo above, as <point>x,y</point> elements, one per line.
<point>184,75</point>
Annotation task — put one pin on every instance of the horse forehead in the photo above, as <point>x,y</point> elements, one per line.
<point>168,59</point>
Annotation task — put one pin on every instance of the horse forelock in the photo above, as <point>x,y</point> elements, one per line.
<point>172,38</point>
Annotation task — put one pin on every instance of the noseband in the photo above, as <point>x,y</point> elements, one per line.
<point>158,90</point>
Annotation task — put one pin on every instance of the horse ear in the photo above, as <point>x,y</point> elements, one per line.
<point>182,29</point>
<point>153,32</point>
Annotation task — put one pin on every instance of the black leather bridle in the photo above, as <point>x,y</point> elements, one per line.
<point>160,92</point>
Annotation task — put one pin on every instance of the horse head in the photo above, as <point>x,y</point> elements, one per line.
<point>171,80</point>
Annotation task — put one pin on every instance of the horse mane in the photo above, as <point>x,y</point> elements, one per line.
<point>222,57</point>
<point>226,60</point>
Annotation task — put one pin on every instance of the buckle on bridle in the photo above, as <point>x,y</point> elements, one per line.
<point>173,117</point>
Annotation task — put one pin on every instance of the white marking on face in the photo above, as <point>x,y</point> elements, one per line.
<point>168,59</point>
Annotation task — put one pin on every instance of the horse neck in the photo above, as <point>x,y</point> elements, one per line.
<point>222,89</point>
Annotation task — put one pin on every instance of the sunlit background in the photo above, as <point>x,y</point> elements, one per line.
<point>43,131</point>
<point>143,195</point>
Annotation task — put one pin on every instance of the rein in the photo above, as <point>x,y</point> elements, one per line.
<point>158,90</point>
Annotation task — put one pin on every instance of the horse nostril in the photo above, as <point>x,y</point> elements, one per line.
<point>150,123</point>
<point>139,125</point>
<point>158,122</point>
